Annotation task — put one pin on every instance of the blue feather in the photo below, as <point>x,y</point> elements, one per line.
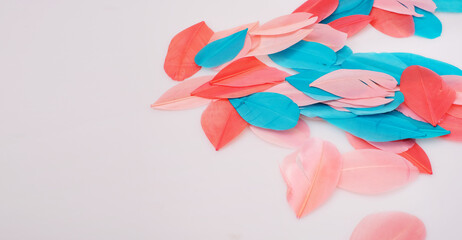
<point>267,110</point>
<point>453,6</point>
<point>441,68</point>
<point>428,129</point>
<point>428,26</point>
<point>221,51</point>
<point>343,54</point>
<point>379,62</point>
<point>305,55</point>
<point>350,7</point>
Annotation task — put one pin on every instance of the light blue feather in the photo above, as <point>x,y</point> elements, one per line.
<point>305,55</point>
<point>452,6</point>
<point>267,110</point>
<point>428,129</point>
<point>379,62</point>
<point>221,51</point>
<point>343,54</point>
<point>441,68</point>
<point>428,26</point>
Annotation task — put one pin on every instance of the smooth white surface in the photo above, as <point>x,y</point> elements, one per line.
<point>82,156</point>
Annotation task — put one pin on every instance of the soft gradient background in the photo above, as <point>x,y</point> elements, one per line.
<point>82,156</point>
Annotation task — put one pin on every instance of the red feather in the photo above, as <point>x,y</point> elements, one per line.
<point>179,63</point>
<point>351,24</point>
<point>426,94</point>
<point>221,123</point>
<point>319,8</point>
<point>392,24</point>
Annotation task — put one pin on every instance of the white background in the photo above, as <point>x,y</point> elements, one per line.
<point>82,156</point>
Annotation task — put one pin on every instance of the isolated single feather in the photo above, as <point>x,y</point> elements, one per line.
<point>179,62</point>
<point>311,175</point>
<point>388,226</point>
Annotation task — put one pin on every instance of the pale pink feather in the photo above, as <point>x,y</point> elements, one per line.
<point>285,24</point>
<point>256,77</point>
<point>327,35</point>
<point>427,5</point>
<point>405,7</point>
<point>311,175</point>
<point>179,96</point>
<point>390,226</point>
<point>356,84</point>
<point>360,103</point>
<point>373,171</point>
<point>394,146</point>
<point>455,82</point>
<point>291,92</point>
<point>277,43</point>
<point>292,138</point>
<point>404,109</point>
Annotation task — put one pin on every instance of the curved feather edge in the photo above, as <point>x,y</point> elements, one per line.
<point>292,138</point>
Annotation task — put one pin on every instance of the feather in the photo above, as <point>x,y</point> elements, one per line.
<point>454,82</point>
<point>452,6</point>
<point>268,110</point>
<point>273,44</point>
<point>372,171</point>
<point>302,82</point>
<point>426,93</point>
<point>221,51</point>
<point>305,55</point>
<point>221,123</point>
<point>343,54</point>
<point>390,225</point>
<point>455,111</point>
<point>311,175</point>
<point>319,8</point>
<point>292,138</point>
<point>392,24</point>
<point>424,127</point>
<point>356,84</point>
<point>179,96</point>
<point>405,7</point>
<point>285,24</point>
<point>324,111</point>
<point>441,68</point>
<point>248,71</point>
<point>378,128</point>
<point>364,102</point>
<point>351,25</point>
<point>427,26</point>
<point>415,155</point>
<point>207,90</point>
<point>454,125</point>
<point>409,113</point>
<point>379,62</point>
<point>397,100</point>
<point>328,36</point>
<point>394,146</point>
<point>350,7</point>
<point>427,5</point>
<point>179,62</point>
<point>291,92</point>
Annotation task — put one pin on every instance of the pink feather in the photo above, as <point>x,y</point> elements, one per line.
<point>394,146</point>
<point>371,171</point>
<point>327,35</point>
<point>179,96</point>
<point>405,7</point>
<point>356,84</point>
<point>277,43</point>
<point>404,109</point>
<point>291,92</point>
<point>285,24</point>
<point>360,103</point>
<point>311,175</point>
<point>454,82</point>
<point>390,226</point>
<point>292,138</point>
